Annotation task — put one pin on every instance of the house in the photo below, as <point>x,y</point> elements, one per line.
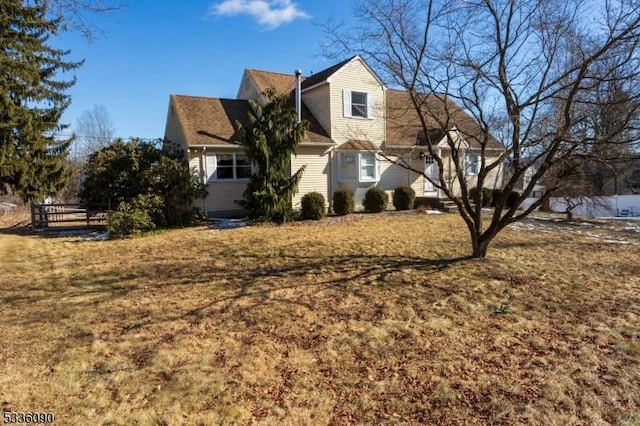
<point>353,119</point>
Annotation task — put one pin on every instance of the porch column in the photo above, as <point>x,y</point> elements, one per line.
<point>438,192</point>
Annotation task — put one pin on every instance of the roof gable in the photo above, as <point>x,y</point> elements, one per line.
<point>264,80</point>
<point>323,75</point>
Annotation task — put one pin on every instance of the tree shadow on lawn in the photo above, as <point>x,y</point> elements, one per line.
<point>243,284</point>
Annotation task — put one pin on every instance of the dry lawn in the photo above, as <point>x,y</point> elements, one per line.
<point>369,320</point>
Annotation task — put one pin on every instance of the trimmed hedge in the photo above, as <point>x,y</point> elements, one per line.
<point>512,199</point>
<point>375,200</point>
<point>343,202</point>
<point>487,196</point>
<point>313,206</point>
<point>403,197</point>
<point>496,194</point>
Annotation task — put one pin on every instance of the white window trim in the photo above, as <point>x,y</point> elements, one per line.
<point>211,175</point>
<point>359,178</point>
<point>346,108</point>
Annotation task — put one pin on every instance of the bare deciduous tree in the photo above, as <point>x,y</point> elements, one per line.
<point>76,14</point>
<point>94,130</point>
<point>525,70</point>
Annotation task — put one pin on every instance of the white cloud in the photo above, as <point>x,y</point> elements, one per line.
<point>269,13</point>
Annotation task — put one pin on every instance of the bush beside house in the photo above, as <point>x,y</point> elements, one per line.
<point>313,206</point>
<point>375,200</point>
<point>403,197</point>
<point>343,202</point>
<point>150,188</point>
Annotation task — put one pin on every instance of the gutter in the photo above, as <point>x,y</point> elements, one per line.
<point>214,146</point>
<point>306,89</point>
<point>319,144</point>
<point>424,147</point>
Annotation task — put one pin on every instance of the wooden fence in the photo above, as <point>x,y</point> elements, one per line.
<point>65,215</point>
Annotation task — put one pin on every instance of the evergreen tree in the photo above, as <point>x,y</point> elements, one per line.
<point>270,139</point>
<point>139,175</point>
<point>32,99</point>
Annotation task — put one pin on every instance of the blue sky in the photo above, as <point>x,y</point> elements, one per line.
<point>155,48</point>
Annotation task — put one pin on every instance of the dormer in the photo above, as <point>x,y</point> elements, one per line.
<point>349,101</point>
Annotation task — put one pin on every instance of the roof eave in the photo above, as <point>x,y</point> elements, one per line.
<point>310,143</point>
<point>207,145</point>
<point>322,83</point>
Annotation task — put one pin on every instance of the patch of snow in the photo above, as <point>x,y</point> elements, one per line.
<point>97,236</point>
<point>433,212</point>
<point>7,206</point>
<point>621,218</point>
<point>219,223</point>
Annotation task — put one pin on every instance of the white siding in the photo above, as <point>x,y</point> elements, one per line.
<point>318,102</point>
<point>355,76</point>
<point>195,162</point>
<point>492,180</point>
<point>393,175</point>
<point>248,89</point>
<point>222,196</point>
<point>315,178</point>
<point>417,180</point>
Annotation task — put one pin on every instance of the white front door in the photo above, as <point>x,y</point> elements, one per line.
<point>430,170</point>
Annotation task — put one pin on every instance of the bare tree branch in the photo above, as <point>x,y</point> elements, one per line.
<point>539,75</point>
<point>78,15</point>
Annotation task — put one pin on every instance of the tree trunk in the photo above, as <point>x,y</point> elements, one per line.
<point>480,247</point>
<point>546,205</point>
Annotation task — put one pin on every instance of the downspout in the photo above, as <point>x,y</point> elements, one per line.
<point>330,194</point>
<point>203,161</point>
<point>438,191</point>
<point>298,98</point>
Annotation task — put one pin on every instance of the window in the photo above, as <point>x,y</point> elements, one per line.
<point>348,169</point>
<point>243,167</point>
<point>224,166</point>
<point>230,167</point>
<point>358,104</point>
<point>368,167</point>
<point>472,163</point>
<point>358,167</point>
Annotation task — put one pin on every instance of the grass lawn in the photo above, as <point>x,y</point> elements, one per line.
<point>368,319</point>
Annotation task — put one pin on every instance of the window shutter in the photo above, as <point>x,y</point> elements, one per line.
<point>369,105</point>
<point>346,100</point>
<point>210,166</point>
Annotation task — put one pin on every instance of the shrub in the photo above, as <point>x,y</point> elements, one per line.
<point>313,206</point>
<point>496,194</point>
<point>512,199</point>
<point>142,214</point>
<point>403,197</point>
<point>343,202</point>
<point>375,200</point>
<point>487,196</point>
<point>123,171</point>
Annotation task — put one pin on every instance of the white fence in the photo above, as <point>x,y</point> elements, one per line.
<point>616,205</point>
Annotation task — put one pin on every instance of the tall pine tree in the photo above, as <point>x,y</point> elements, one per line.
<point>270,139</point>
<point>32,99</point>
